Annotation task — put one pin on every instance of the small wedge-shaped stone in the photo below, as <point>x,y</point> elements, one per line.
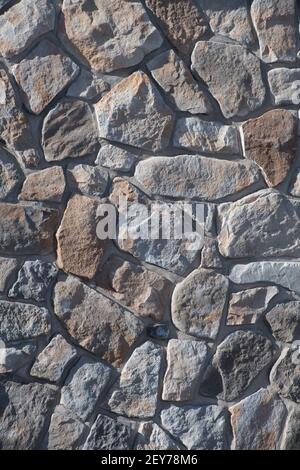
<point>151,437</point>
<point>98,324</point>
<point>88,180</point>
<point>115,158</point>
<point>65,430</point>
<point>44,185</point>
<point>109,434</point>
<point>10,174</point>
<point>284,321</point>
<point>284,84</point>
<point>247,306</point>
<point>285,374</point>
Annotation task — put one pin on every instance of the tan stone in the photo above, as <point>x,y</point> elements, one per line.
<point>44,185</point>
<point>247,306</point>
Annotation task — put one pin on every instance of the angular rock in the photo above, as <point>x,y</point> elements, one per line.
<point>34,281</point>
<point>151,437</point>
<point>90,86</point>
<point>10,175</point>
<point>257,421</point>
<point>52,362</point>
<point>198,303</point>
<point>291,436</point>
<point>295,186</point>
<point>210,256</point>
<point>204,136</point>
<point>194,176</point>
<point>235,81</point>
<point>44,185</point>
<point>69,131</point>
<point>198,428</point>
<point>109,434</point>
<point>284,321</point>
<point>44,73</point>
<point>23,23</point>
<point>181,20</point>
<point>247,306</point>
<point>88,180</point>
<point>137,392</point>
<point>85,386</point>
<point>65,430</point>
<point>115,158</point>
<point>108,35</point>
<point>8,267</point>
<point>98,324</point>
<point>15,357</point>
<point>245,226</point>
<point>275,27</point>
<point>186,360</point>
<point>134,113</point>
<point>285,374</point>
<point>182,90</point>
<point>271,141</point>
<point>283,84</point>
<point>239,359</point>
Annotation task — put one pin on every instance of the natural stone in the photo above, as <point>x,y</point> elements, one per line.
<point>91,86</point>
<point>291,436</point>
<point>136,394</point>
<point>8,267</point>
<point>15,357</point>
<point>69,131</point>
<point>65,430</point>
<point>88,180</point>
<point>283,84</point>
<point>134,113</point>
<point>44,185</point>
<point>98,324</point>
<point>210,256</point>
<point>115,158</point>
<point>198,303</point>
<point>285,374</point>
<point>151,437</point>
<point>295,185</point>
<point>108,35</point>
<point>10,175</point>
<point>186,360</point>
<point>247,306</point>
<point>109,434</point>
<point>235,81</point>
<point>271,141</point>
<point>284,321</point>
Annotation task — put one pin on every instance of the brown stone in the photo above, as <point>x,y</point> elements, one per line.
<point>44,185</point>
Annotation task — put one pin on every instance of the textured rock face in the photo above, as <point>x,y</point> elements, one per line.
<point>8,267</point>
<point>284,321</point>
<point>65,430</point>
<point>109,434</point>
<point>45,185</point>
<point>14,358</point>
<point>285,375</point>
<point>115,158</point>
<point>247,306</point>
<point>88,180</point>
<point>10,175</point>
<point>282,84</point>
<point>151,437</point>
<point>291,438</point>
<point>90,86</point>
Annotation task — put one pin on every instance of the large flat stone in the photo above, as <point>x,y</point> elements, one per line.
<point>151,437</point>
<point>247,306</point>
<point>283,83</point>
<point>65,430</point>
<point>284,321</point>
<point>44,185</point>
<point>109,434</point>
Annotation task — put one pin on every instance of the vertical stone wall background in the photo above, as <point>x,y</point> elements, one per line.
<point>147,344</point>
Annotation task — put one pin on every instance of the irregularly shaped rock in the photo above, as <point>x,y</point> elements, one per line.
<point>22,321</point>
<point>15,357</point>
<point>26,229</point>
<point>198,428</point>
<point>271,141</point>
<point>245,226</point>
<point>65,430</point>
<point>109,434</point>
<point>34,280</point>
<point>79,250</point>
<point>186,360</point>
<point>44,185</point>
<point>24,414</point>
<point>295,186</point>
<point>233,76</point>
<point>283,83</point>
<point>136,394</point>
<point>90,86</point>
<point>291,436</point>
<point>198,303</point>
<point>52,362</point>
<point>10,175</point>
<point>204,136</point>
<point>239,359</point>
<point>246,306</point>
<point>176,80</point>
<point>69,131</point>
<point>257,421</point>
<point>44,73</point>
<point>194,176</point>
<point>275,27</point>
<point>115,158</point>
<point>108,35</point>
<point>88,180</point>
<point>284,321</point>
<point>286,372</point>
<point>151,437</point>
<point>98,324</point>
<point>210,256</point>
<point>8,267</point>
<point>85,386</point>
<point>23,23</point>
<point>134,113</point>
<point>181,20</point>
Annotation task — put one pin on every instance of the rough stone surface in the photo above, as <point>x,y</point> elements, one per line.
<point>65,430</point>
<point>115,158</point>
<point>10,175</point>
<point>88,180</point>
<point>291,437</point>
<point>8,267</point>
<point>45,185</point>
<point>247,306</point>
<point>15,357</point>
<point>91,86</point>
<point>285,374</point>
<point>109,434</point>
<point>295,185</point>
<point>151,437</point>
<point>284,84</point>
<point>284,321</point>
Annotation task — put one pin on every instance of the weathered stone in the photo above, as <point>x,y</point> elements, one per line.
<point>65,430</point>
<point>22,321</point>
<point>10,175</point>
<point>239,359</point>
<point>182,90</point>
<point>23,23</point>
<point>109,434</point>
<point>79,250</point>
<point>283,83</point>
<point>52,362</point>
<point>69,131</point>
<point>34,280</point>
<point>235,81</point>
<point>186,360</point>
<point>284,321</point>
<point>108,35</point>
<point>84,387</point>
<point>90,86</point>
<point>198,428</point>
<point>275,27</point>
<point>210,256</point>
<point>295,186</point>
<point>8,267</point>
<point>271,141</point>
<point>136,394</point>
<point>44,185</point>
<point>151,437</point>
<point>257,421</point>
<point>44,73</point>
<point>285,374</point>
<point>88,180</point>
<point>245,226</point>
<point>98,324</point>
<point>204,136</point>
<point>15,357</point>
<point>291,436</point>
<point>194,176</point>
<point>134,113</point>
<point>198,303</point>
<point>181,20</point>
<point>247,306</point>
<point>24,414</point>
<point>115,158</point>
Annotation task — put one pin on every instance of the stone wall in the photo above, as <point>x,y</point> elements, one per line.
<point>149,345</point>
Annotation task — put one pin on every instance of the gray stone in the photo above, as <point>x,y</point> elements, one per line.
<point>247,306</point>
<point>44,185</point>
<point>151,437</point>
<point>284,321</point>
<point>291,436</point>
<point>109,434</point>
<point>210,256</point>
<point>10,175</point>
<point>295,186</point>
<point>91,86</point>
<point>65,430</point>
<point>15,357</point>
<point>88,180</point>
<point>8,267</point>
<point>115,158</point>
<point>284,86</point>
<point>284,376</point>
